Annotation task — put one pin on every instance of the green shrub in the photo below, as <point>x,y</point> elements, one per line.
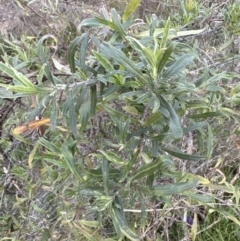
<point>119,103</point>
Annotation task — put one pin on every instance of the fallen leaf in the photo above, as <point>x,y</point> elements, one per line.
<point>32,125</point>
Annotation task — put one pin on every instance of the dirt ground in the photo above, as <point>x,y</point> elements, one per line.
<point>32,18</point>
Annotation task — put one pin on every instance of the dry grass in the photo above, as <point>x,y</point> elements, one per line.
<point>162,220</point>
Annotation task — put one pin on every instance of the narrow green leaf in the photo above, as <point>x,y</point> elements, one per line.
<point>4,93</point>
<point>103,61</point>
<point>146,170</point>
<point>116,20</point>
<point>183,155</point>
<point>209,143</point>
<point>46,235</point>
<point>42,105</point>
<point>144,219</point>
<point>188,32</point>
<point>112,52</point>
<point>93,173</point>
<point>11,72</point>
<point>93,224</point>
<point>174,188</point>
<point>178,65</point>
<point>22,139</point>
<point>153,26</point>
<point>44,57</point>
<point>223,188</point>
<point>116,224</point>
<point>130,109</point>
<point>93,96</point>
<point>71,162</point>
<point>105,174</point>
<point>71,53</point>
<point>112,157</point>
<point>54,113</point>
<point>201,139</point>
<point>38,209</point>
<point>72,116</point>
<point>172,33</point>
<point>213,79</point>
<point>174,121</point>
<point>32,154</point>
<point>132,84</point>
<point>84,111</point>
<point>97,173</point>
<point>198,103</point>
<point>95,23</point>
<point>40,74</point>
<point>214,88</point>
<point>91,192</point>
<point>55,162</point>
<point>162,59</point>
<point>194,127</point>
<point>114,114</point>
<point>103,202</point>
<point>136,97</point>
<point>83,94</point>
<point>146,52</point>
<point>199,197</point>
<point>153,118</point>
<point>83,51</point>
<point>132,143</point>
<point>227,111</point>
<point>194,227</point>
<point>130,9</point>
<point>156,103</point>
<point>228,215</point>
<point>124,227</point>
<point>205,115</point>
<point>22,89</point>
<point>111,90</point>
<point>165,34</point>
<point>105,13</point>
<point>49,145</point>
<point>129,166</point>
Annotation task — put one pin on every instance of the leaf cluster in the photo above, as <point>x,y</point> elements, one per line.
<point>116,111</point>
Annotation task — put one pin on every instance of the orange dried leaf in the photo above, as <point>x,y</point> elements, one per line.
<point>19,130</point>
<point>32,125</point>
